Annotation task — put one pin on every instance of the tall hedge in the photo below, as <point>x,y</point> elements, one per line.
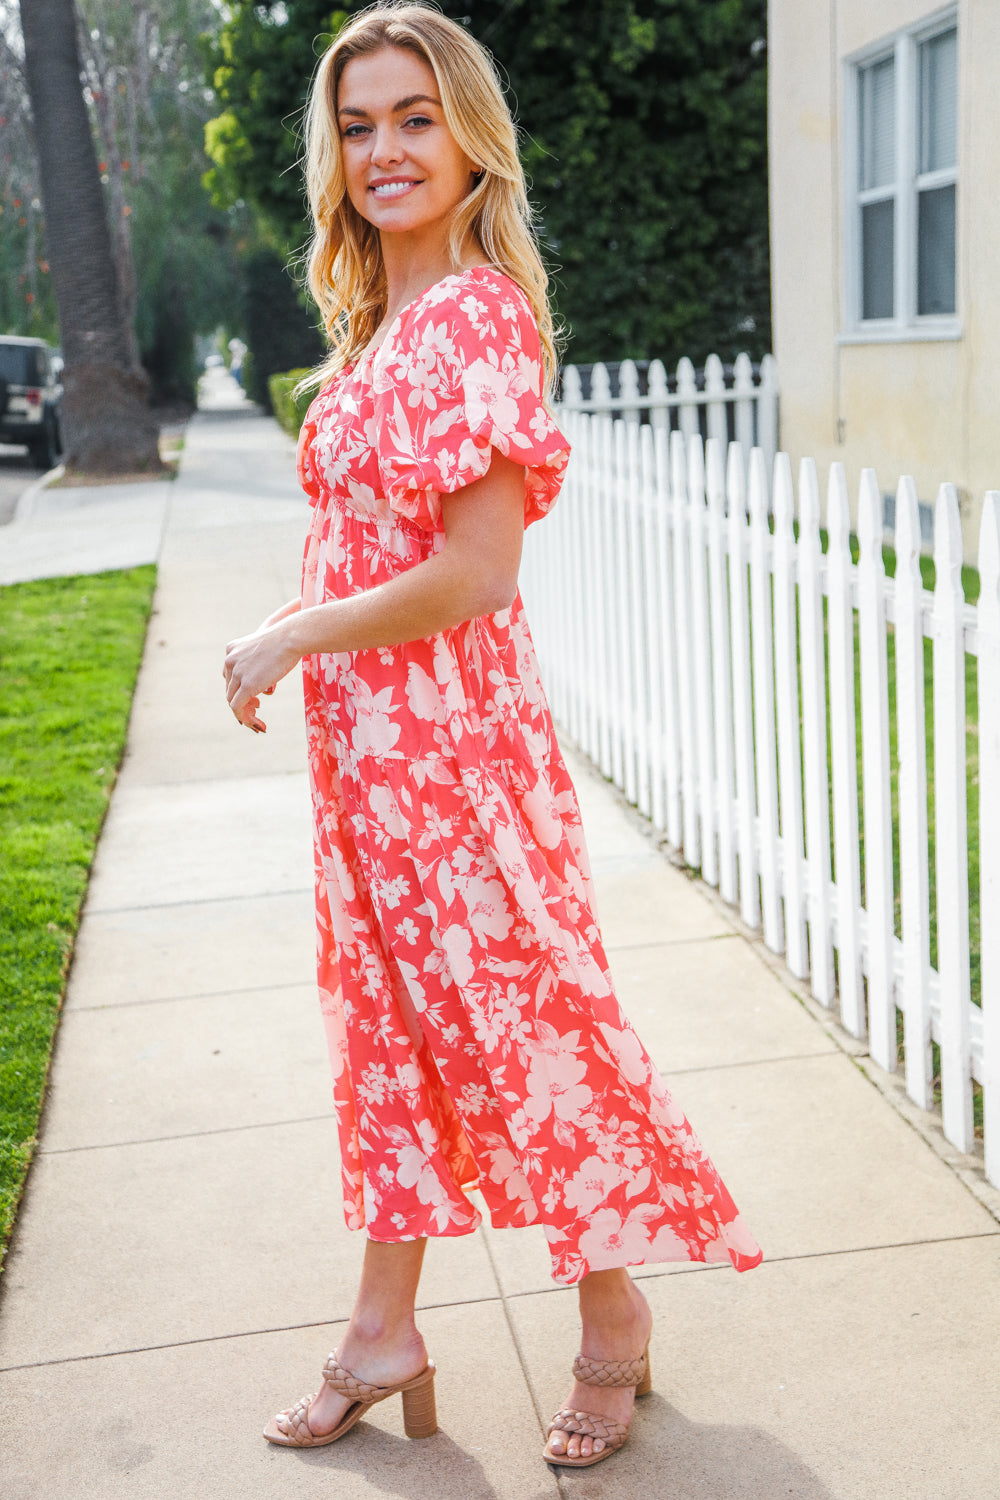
<point>644,137</point>
<point>281,335</point>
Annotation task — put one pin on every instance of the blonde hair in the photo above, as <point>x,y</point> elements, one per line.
<point>346,272</point>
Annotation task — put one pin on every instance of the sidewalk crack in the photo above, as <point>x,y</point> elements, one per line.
<point>521,1358</point>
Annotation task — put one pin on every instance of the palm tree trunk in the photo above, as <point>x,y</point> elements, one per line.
<point>107,424</point>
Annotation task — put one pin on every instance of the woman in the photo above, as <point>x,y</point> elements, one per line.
<point>473,1028</point>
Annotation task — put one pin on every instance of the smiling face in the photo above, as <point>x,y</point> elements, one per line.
<point>405,172</point>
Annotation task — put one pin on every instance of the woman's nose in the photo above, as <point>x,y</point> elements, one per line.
<point>387,148</point>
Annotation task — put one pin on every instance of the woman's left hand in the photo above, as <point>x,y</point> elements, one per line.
<point>255,664</point>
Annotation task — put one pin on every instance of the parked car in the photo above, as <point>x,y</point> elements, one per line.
<point>30,397</point>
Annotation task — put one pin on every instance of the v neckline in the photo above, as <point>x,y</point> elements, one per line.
<point>367,356</point>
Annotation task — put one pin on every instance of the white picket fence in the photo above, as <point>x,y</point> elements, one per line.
<point>705,660</point>
<point>743,406</point>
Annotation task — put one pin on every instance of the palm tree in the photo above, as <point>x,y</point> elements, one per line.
<point>107,424</point>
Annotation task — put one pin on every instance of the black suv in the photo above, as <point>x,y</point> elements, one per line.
<point>30,397</point>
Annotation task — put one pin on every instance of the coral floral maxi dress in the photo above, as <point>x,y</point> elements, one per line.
<point>473,1027</point>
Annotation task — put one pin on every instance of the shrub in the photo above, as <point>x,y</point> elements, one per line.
<point>289,409</point>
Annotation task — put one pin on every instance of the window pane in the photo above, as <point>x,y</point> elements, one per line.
<point>877,125</point>
<point>939,102</point>
<point>14,363</point>
<point>936,251</point>
<point>877,250</point>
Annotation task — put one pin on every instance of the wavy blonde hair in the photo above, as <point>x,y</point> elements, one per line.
<point>346,272</point>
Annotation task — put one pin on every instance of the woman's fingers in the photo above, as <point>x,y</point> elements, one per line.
<point>247,713</point>
<point>241,696</point>
<point>245,702</point>
<point>253,665</point>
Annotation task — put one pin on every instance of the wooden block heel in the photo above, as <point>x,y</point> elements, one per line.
<point>419,1409</point>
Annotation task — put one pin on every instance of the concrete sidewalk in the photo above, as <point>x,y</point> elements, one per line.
<point>181,1267</point>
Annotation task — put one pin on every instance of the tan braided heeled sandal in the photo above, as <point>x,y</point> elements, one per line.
<point>601,1373</point>
<point>419,1414</point>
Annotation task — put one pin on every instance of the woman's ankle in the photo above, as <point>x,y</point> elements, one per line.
<point>373,1339</point>
<point>610,1311</point>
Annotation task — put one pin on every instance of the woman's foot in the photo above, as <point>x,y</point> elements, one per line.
<point>375,1356</point>
<point>616,1325</point>
<point>382,1344</point>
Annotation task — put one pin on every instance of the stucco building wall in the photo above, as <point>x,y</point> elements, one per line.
<point>915,405</point>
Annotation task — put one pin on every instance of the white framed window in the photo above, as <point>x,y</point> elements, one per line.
<point>901,185</point>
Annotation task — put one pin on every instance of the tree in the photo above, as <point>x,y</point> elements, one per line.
<point>174,252</point>
<point>644,138</point>
<point>27,305</point>
<point>107,423</point>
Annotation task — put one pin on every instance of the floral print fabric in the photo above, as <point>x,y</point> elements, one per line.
<point>473,1027</point>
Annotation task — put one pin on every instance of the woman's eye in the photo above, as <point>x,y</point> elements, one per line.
<point>354,132</point>
<point>419,120</point>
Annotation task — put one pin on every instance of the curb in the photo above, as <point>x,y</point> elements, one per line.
<point>26,499</point>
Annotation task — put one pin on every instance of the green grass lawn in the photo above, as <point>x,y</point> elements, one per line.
<point>70,650</point>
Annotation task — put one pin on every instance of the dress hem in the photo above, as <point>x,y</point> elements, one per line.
<point>738,1263</point>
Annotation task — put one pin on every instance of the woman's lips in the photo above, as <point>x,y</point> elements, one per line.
<point>393,189</point>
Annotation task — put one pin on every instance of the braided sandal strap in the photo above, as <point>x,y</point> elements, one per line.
<point>608,1372</point>
<point>295,1422</point>
<point>587,1424</point>
<point>351,1386</point>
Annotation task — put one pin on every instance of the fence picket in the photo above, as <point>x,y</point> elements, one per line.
<point>702,675</point>
<point>875,765</point>
<point>950,820</point>
<point>670,654</point>
<point>623,635</point>
<point>911,741</point>
<point>659,394</point>
<point>745,396</point>
<point>581,526</point>
<point>767,409</point>
<point>814,747</point>
<point>717,396</point>
<point>600,384</point>
<point>762,655</point>
<point>635,506</point>
<point>722,701</point>
<point>687,394</point>
<point>568,618</point>
<point>739,629</point>
<point>844,754</point>
<point>988,627</point>
<point>652,640</point>
<point>682,618</point>
<point>786,683</point>
<point>582,433</point>
<point>604,564</point>
<point>628,391</point>
<point>572,390</point>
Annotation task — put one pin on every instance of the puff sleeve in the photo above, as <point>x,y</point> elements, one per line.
<point>464,376</point>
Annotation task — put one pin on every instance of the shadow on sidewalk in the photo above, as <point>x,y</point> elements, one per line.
<point>668,1458</point>
<point>683,1460</point>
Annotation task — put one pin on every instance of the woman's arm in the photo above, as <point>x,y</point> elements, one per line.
<point>475,573</point>
<point>291,608</point>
